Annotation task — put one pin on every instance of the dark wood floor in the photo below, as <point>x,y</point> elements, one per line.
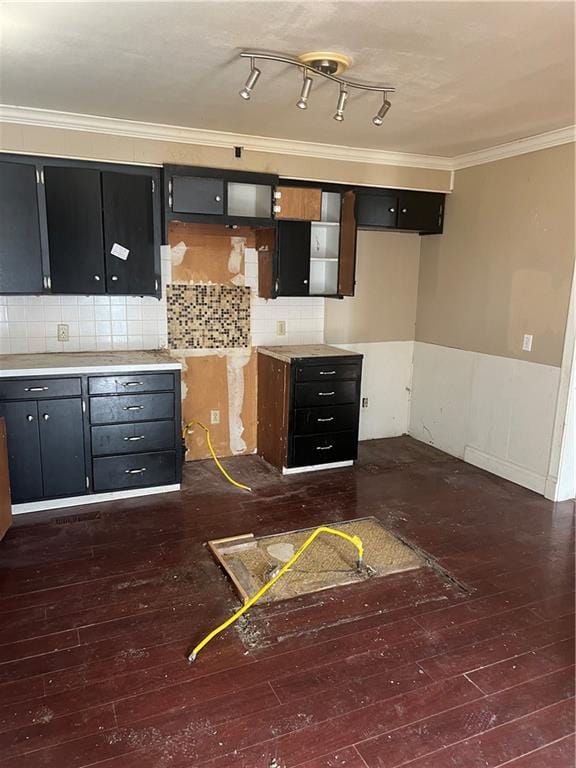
<point>99,605</point>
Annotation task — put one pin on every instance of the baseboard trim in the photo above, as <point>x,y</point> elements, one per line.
<point>93,498</point>
<point>505,469</point>
<point>316,467</point>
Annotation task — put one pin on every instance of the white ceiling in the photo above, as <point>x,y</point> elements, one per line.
<point>469,75</point>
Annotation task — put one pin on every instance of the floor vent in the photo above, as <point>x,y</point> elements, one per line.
<point>69,519</point>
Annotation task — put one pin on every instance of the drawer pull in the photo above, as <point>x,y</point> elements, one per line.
<point>132,407</point>
<point>326,394</point>
<point>135,471</point>
<point>135,438</point>
<point>330,418</point>
<point>132,383</point>
<point>324,447</point>
<point>35,389</point>
<point>327,373</point>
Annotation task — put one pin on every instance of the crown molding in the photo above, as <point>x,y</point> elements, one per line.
<point>514,148</point>
<point>48,118</point>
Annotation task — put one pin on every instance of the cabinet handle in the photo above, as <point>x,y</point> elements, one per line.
<point>327,373</point>
<point>35,389</point>
<point>135,471</point>
<point>114,278</point>
<point>45,416</point>
<point>404,210</point>
<point>324,447</point>
<point>132,407</point>
<point>97,277</point>
<point>134,439</point>
<point>132,383</point>
<point>392,210</point>
<point>331,418</point>
<point>305,282</point>
<point>277,208</point>
<point>326,394</point>
<point>29,417</point>
<point>218,198</point>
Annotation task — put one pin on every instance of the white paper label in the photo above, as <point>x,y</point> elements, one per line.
<point>119,251</point>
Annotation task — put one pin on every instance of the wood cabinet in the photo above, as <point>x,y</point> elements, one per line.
<point>308,408</point>
<point>21,265</point>
<point>79,228</point>
<point>403,210</point>
<point>298,203</point>
<point>5,500</point>
<point>71,436</point>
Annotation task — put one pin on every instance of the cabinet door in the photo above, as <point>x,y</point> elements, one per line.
<point>197,194</point>
<point>62,446</point>
<point>376,211</point>
<point>420,211</point>
<point>303,203</point>
<point>347,255</point>
<point>24,461</point>
<point>74,215</point>
<point>293,258</point>
<point>129,233</point>
<point>20,246</point>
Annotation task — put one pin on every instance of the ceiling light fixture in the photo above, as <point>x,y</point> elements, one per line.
<point>302,102</point>
<point>322,64</point>
<point>246,92</point>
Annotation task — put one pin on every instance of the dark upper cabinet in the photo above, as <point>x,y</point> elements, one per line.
<point>21,268</point>
<point>293,246</point>
<point>408,211</point>
<point>129,236</point>
<point>197,194</point>
<point>74,220</point>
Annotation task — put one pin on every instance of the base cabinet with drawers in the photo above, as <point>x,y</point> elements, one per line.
<point>82,434</point>
<point>308,406</point>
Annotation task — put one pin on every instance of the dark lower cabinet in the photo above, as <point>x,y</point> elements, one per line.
<point>308,407</point>
<point>63,441</point>
<point>21,268</point>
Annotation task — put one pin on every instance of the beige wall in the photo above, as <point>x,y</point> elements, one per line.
<point>384,305</point>
<point>99,146</point>
<point>503,266</point>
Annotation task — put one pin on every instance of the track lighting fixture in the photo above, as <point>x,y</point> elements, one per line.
<point>339,116</point>
<point>302,102</point>
<point>378,118</point>
<point>322,64</point>
<point>246,92</point>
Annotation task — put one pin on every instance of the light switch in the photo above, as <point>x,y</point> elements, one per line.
<point>527,342</point>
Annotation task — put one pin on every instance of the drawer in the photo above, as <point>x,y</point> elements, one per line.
<point>126,408</point>
<point>329,371</point>
<point>322,449</point>
<point>136,382</point>
<point>332,419</point>
<point>36,388</point>
<point>325,393</point>
<point>131,438</point>
<point>134,470</point>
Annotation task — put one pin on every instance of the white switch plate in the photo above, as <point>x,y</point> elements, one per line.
<point>527,342</point>
<point>280,327</point>
<point>63,332</point>
<point>214,417</point>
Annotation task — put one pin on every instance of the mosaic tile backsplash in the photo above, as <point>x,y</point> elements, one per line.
<point>208,316</point>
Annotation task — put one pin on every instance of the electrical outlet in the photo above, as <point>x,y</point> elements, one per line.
<point>214,417</point>
<point>280,327</point>
<point>364,402</point>
<point>63,332</point>
<point>527,342</point>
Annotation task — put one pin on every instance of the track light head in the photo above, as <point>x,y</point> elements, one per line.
<point>378,118</point>
<point>302,102</point>
<point>339,116</point>
<point>246,92</point>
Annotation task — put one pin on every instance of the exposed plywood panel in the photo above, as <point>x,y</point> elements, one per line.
<point>208,253</point>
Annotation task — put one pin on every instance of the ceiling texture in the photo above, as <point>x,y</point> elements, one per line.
<point>469,75</point>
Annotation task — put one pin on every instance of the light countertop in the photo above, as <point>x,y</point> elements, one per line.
<point>292,352</point>
<point>55,363</point>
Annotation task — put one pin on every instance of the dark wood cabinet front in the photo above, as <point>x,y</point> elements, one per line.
<point>421,211</point>
<point>402,210</point>
<point>376,210</point>
<point>62,446</point>
<point>129,234</point>
<point>24,458</point>
<point>197,194</point>
<point>293,245</point>
<point>20,242</point>
<point>74,220</point>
